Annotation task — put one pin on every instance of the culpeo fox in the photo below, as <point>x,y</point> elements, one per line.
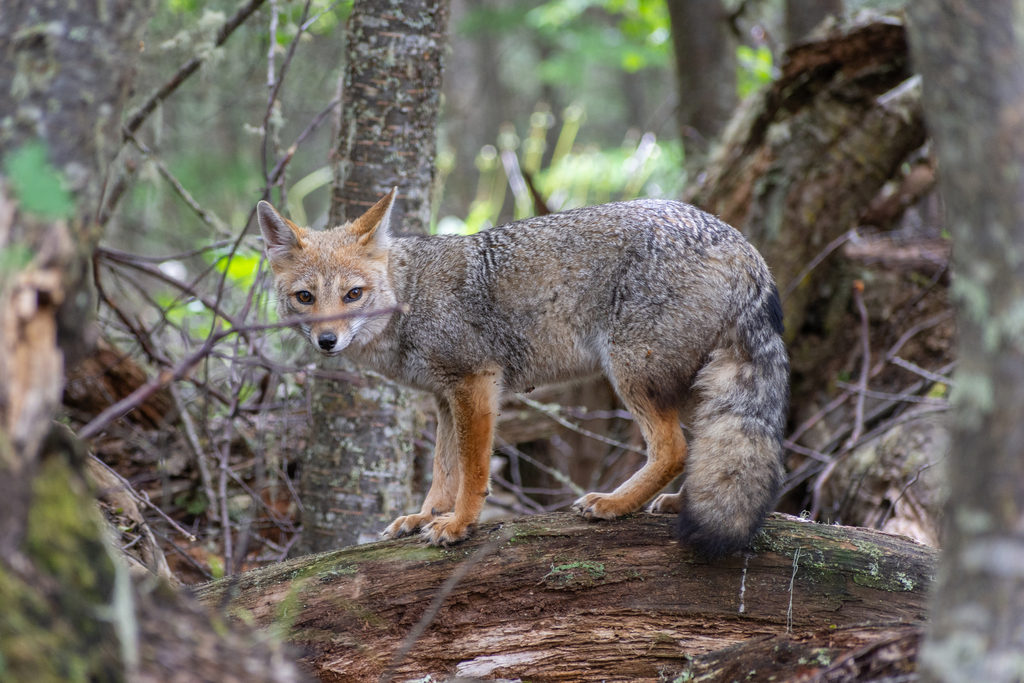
<point>668,302</point>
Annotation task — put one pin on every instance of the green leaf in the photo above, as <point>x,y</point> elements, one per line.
<point>14,258</point>
<point>754,69</point>
<point>38,186</point>
<point>241,269</point>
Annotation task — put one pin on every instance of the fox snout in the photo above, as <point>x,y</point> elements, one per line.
<point>327,340</point>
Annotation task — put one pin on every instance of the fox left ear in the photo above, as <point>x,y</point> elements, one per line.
<point>280,235</point>
<point>373,226</point>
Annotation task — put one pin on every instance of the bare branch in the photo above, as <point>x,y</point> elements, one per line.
<point>136,118</point>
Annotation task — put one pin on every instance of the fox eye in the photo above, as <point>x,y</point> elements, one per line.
<point>304,297</point>
<point>354,294</point>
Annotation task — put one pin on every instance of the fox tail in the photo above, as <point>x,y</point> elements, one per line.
<point>734,469</point>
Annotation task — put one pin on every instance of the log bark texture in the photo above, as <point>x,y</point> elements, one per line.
<point>557,598</point>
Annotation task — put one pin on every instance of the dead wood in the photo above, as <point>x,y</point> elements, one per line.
<point>563,599</point>
<point>802,164</point>
<point>108,375</point>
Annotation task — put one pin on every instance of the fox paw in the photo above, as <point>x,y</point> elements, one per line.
<point>405,526</point>
<point>667,503</point>
<point>600,506</point>
<point>444,530</point>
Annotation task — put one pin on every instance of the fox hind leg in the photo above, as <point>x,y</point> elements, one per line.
<point>666,457</point>
<point>445,484</point>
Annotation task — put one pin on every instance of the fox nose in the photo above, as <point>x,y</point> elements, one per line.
<point>327,340</point>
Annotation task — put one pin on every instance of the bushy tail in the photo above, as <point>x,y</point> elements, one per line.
<point>734,467</point>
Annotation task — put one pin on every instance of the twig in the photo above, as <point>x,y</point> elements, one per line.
<point>208,217</point>
<point>552,412</point>
<point>528,506</point>
<point>143,498</point>
<point>275,175</point>
<point>192,437</point>
<point>222,496</point>
<point>816,261</point>
<point>918,370</point>
<point>275,86</point>
<point>272,49</point>
<point>858,424</point>
<point>127,257</point>
<point>814,419</point>
<point>917,475</point>
<point>188,558</point>
<point>438,601</point>
<point>792,581</point>
<point>511,450</point>
<point>897,398</point>
<point>907,336</point>
<point>137,397</point>
<point>136,118</point>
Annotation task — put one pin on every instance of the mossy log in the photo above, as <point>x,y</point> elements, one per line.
<point>558,598</point>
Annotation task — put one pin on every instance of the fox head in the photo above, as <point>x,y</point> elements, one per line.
<point>342,271</point>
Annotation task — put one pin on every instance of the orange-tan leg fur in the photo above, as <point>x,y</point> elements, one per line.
<point>445,485</point>
<point>666,457</point>
<point>474,406</point>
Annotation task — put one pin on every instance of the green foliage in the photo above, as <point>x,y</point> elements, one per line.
<point>638,37</point>
<point>577,175</point>
<point>183,6</point>
<point>14,258</point>
<point>242,268</point>
<point>754,69</point>
<point>38,186</point>
<point>623,34</point>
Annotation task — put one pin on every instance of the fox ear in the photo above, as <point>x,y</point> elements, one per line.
<point>373,226</point>
<point>281,236</point>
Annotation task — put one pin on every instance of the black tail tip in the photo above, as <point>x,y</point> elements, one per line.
<point>708,543</point>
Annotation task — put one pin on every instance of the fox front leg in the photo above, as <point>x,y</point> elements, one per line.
<point>474,407</point>
<point>445,484</point>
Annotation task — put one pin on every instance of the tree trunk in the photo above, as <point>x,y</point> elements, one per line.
<point>557,598</point>
<point>705,52</point>
<point>388,134</point>
<point>356,475</point>
<point>970,57</point>
<point>69,611</point>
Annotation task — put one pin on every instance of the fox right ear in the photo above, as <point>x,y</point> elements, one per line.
<point>373,227</point>
<point>280,235</point>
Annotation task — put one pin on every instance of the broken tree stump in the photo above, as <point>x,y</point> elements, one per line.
<point>558,598</point>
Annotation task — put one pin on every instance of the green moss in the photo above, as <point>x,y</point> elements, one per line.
<point>579,574</point>
<point>49,630</point>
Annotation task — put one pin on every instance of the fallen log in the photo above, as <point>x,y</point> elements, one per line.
<point>557,598</point>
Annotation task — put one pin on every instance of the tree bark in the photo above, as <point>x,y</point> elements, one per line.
<point>557,598</point>
<point>356,475</point>
<point>705,52</point>
<point>388,135</point>
<point>970,57</point>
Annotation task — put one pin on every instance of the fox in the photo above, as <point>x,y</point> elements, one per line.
<point>675,307</point>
